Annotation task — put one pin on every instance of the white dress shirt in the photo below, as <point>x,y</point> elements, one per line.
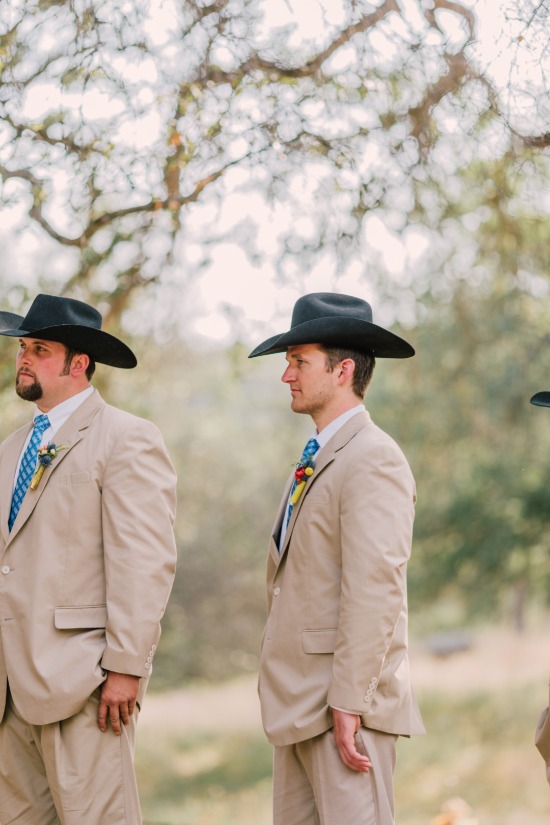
<point>323,438</point>
<point>57,417</point>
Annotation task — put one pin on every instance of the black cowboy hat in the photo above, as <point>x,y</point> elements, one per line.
<point>541,399</point>
<point>69,322</point>
<point>336,320</point>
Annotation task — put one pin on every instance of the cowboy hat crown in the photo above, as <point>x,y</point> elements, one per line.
<point>70,322</point>
<point>337,320</point>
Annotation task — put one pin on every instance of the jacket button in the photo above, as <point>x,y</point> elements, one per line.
<point>276,591</point>
<point>6,569</point>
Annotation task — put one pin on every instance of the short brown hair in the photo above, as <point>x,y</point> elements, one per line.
<point>364,365</point>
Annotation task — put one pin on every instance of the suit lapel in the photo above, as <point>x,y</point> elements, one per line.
<point>7,477</point>
<point>68,435</point>
<point>277,527</point>
<point>327,455</point>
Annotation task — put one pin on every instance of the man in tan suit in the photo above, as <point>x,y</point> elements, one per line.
<point>542,733</point>
<point>542,738</point>
<point>87,559</point>
<point>334,674</point>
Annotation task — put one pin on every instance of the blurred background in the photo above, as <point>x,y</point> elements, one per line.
<point>191,169</point>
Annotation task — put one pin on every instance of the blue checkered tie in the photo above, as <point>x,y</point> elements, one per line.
<point>309,451</point>
<point>28,466</point>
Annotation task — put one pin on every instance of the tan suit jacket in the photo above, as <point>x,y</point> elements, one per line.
<point>542,738</point>
<point>336,634</point>
<point>86,571</point>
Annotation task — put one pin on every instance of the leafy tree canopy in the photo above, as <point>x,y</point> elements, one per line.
<point>126,126</point>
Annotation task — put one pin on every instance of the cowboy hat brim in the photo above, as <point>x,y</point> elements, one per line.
<point>9,320</point>
<point>99,345</point>
<point>541,399</point>
<point>340,331</point>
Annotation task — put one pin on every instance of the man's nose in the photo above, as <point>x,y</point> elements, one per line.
<point>288,375</point>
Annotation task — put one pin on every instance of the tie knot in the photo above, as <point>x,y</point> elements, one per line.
<point>310,449</point>
<point>41,423</point>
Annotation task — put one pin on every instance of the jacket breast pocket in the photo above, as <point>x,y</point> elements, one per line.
<point>319,641</point>
<point>80,618</point>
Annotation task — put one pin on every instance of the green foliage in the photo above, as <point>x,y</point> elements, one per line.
<point>477,448</point>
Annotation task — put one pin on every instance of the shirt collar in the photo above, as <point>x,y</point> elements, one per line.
<point>60,413</point>
<point>331,429</point>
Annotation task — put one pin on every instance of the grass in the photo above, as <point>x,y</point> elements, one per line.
<point>481,750</point>
<point>203,779</point>
<point>206,762</point>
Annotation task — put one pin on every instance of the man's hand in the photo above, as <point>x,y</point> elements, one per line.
<point>118,700</point>
<point>346,726</point>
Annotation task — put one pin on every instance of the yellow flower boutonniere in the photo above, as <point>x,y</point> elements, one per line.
<point>46,455</point>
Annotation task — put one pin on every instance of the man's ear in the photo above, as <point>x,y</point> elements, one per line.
<point>345,368</point>
<point>80,364</point>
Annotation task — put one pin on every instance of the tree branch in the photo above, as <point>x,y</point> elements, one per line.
<point>458,8</point>
<point>312,67</point>
<point>535,141</point>
<point>459,71</point>
<point>154,205</point>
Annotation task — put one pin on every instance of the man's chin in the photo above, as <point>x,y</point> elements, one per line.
<point>30,392</point>
<point>296,407</point>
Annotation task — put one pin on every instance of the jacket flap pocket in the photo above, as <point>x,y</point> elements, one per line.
<point>72,618</point>
<point>319,641</point>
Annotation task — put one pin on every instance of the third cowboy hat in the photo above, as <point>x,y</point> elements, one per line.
<point>337,320</point>
<point>541,399</point>
<point>69,322</point>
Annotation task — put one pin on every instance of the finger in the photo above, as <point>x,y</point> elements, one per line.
<point>354,760</point>
<point>357,764</point>
<point>125,714</point>
<point>115,720</point>
<point>102,716</point>
<point>131,707</point>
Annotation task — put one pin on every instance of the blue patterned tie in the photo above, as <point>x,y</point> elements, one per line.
<point>28,466</point>
<point>309,451</point>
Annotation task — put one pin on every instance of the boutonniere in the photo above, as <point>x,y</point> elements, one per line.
<point>303,471</point>
<point>46,454</point>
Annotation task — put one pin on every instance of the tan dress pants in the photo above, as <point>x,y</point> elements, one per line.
<point>312,786</point>
<point>68,772</point>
